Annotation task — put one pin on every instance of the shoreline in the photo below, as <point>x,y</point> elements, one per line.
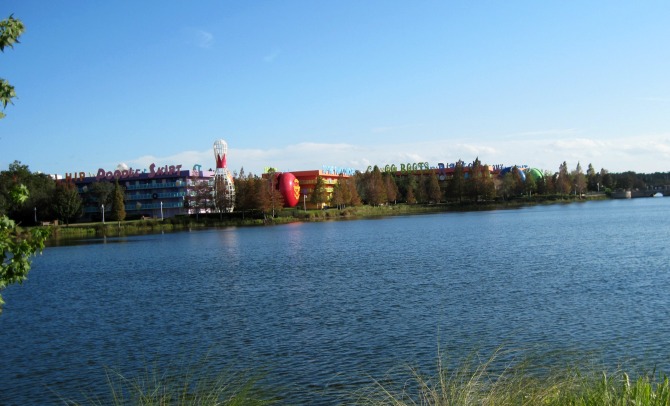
<point>83,231</point>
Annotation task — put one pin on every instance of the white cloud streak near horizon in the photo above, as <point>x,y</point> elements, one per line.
<point>640,154</point>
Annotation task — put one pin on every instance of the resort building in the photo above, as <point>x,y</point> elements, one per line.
<point>308,181</point>
<point>303,183</point>
<point>162,192</point>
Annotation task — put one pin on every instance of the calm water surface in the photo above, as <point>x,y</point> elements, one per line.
<point>325,307</point>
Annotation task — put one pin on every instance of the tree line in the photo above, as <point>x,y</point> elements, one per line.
<point>475,182</point>
<point>48,200</point>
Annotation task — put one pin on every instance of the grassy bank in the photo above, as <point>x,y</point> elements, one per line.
<point>283,216</point>
<point>473,381</point>
<point>524,382</point>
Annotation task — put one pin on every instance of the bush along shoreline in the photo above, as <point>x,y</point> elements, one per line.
<point>284,216</point>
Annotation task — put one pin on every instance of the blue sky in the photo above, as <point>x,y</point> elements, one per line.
<point>301,84</point>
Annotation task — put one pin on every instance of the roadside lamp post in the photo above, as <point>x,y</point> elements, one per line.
<point>102,208</point>
<point>35,209</point>
<point>161,211</point>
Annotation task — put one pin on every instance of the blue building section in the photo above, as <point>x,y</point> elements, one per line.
<point>154,194</point>
<point>512,169</point>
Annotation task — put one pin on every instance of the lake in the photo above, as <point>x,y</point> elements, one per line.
<point>327,307</point>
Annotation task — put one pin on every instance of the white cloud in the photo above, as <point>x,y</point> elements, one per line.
<point>640,154</point>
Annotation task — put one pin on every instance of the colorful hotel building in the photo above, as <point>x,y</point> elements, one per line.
<point>160,193</point>
<point>307,181</point>
<point>165,191</point>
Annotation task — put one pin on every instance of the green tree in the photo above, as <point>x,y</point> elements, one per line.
<point>549,184</point>
<point>456,187</point>
<point>241,191</point>
<point>102,193</point>
<point>344,193</point>
<point>270,197</point>
<point>17,174</point>
<point>488,189</point>
<point>10,31</point>
<point>17,246</point>
<point>510,185</point>
<point>391,187</point>
<point>579,180</point>
<point>628,180</point>
<point>480,184</point>
<point>564,180</point>
<point>607,179</point>
<point>409,188</point>
<point>337,199</point>
<point>319,195</point>
<point>118,205</point>
<point>351,196</point>
<point>433,188</point>
<point>474,184</point>
<point>420,190</point>
<point>376,190</point>
<point>67,203</point>
<point>361,182</point>
<point>199,196</point>
<point>592,179</point>
<point>40,188</point>
<point>530,185</point>
<point>248,192</point>
<point>409,195</point>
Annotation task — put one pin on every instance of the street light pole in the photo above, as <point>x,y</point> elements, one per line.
<point>161,211</point>
<point>35,215</point>
<point>102,206</point>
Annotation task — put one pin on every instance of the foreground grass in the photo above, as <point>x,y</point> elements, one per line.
<point>183,387</point>
<point>472,381</point>
<point>477,382</point>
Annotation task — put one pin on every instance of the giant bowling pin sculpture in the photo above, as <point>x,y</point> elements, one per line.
<point>223,180</point>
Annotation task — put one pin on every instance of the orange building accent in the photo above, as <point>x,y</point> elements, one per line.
<point>307,181</point>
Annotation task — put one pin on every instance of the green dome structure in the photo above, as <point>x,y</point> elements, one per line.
<point>535,173</point>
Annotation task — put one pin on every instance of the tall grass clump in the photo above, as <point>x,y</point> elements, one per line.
<point>519,380</point>
<point>200,385</point>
